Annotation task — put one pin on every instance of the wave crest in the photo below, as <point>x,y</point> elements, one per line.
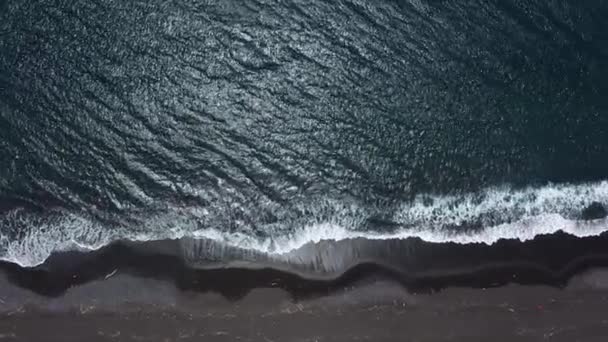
<point>485,217</point>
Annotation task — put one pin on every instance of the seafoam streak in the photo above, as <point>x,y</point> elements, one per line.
<point>504,213</point>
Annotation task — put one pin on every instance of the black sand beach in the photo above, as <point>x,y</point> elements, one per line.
<point>551,288</point>
<point>303,170</point>
<point>317,269</point>
<point>123,308</point>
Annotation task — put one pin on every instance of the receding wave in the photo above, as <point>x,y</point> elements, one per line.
<point>482,217</point>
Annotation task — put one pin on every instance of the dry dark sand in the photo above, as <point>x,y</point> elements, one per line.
<point>127,308</point>
<point>552,288</point>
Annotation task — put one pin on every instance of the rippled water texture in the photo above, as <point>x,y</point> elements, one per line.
<point>257,119</point>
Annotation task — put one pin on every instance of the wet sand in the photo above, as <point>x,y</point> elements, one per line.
<point>554,288</point>
<point>322,268</point>
<point>128,308</point>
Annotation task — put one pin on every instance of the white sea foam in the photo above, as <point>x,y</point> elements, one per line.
<point>503,212</point>
<point>500,204</point>
<point>523,230</point>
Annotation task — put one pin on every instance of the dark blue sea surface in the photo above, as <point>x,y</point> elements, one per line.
<point>266,125</point>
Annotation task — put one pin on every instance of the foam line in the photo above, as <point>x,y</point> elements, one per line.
<point>503,213</point>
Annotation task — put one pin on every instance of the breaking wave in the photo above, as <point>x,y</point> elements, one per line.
<point>484,217</point>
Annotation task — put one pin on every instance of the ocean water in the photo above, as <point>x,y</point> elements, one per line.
<point>258,128</point>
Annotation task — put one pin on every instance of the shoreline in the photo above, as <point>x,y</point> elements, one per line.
<point>414,264</point>
<point>554,287</point>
